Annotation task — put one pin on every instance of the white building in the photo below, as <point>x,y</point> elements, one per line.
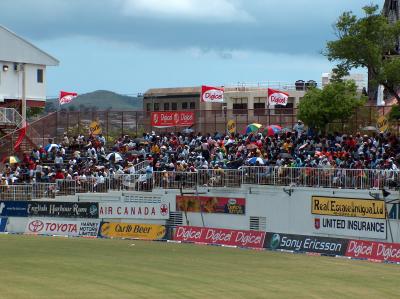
<point>22,61</point>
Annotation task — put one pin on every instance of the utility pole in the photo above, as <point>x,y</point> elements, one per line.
<point>21,67</point>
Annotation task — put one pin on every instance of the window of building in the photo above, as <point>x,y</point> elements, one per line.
<point>174,106</point>
<point>166,106</point>
<point>288,109</point>
<point>259,106</point>
<point>192,105</point>
<point>39,75</point>
<point>148,107</point>
<point>239,106</point>
<point>156,106</point>
<point>184,105</point>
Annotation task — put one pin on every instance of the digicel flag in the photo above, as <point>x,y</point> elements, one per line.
<point>212,94</point>
<point>67,97</point>
<point>276,97</point>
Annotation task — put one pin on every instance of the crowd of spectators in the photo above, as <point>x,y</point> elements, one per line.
<point>81,157</point>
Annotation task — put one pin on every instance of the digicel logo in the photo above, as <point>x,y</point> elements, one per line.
<point>166,117</point>
<point>186,117</point>
<point>278,98</point>
<point>213,95</point>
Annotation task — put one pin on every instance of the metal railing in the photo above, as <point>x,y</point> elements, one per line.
<point>362,179</point>
<point>10,116</point>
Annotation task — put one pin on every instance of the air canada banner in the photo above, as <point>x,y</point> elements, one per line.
<point>387,252</point>
<point>211,94</point>
<point>300,243</point>
<point>63,209</point>
<point>230,237</point>
<point>133,231</point>
<point>133,210</point>
<point>211,204</point>
<point>172,119</point>
<point>348,207</point>
<point>48,226</point>
<point>350,226</point>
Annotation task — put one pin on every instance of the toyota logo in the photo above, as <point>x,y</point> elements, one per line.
<point>36,226</point>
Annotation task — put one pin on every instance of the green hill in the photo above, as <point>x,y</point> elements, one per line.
<point>99,99</point>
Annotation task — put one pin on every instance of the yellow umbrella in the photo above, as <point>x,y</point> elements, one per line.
<point>13,159</point>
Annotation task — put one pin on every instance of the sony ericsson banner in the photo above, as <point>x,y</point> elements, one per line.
<point>209,235</point>
<point>351,227</point>
<point>133,231</point>
<point>388,252</point>
<point>300,243</point>
<point>48,226</point>
<point>63,209</point>
<point>13,208</point>
<point>348,207</point>
<point>211,204</point>
<point>133,210</point>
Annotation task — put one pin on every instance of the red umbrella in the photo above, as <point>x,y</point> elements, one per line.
<point>272,130</point>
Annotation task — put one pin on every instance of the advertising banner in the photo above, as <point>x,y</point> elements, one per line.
<point>133,210</point>
<point>48,226</point>
<point>208,235</point>
<point>3,224</point>
<point>172,119</point>
<point>13,208</point>
<point>211,94</point>
<point>351,227</point>
<point>276,97</point>
<point>300,243</point>
<point>348,207</point>
<point>133,231</point>
<point>211,204</point>
<point>63,209</point>
<point>389,252</point>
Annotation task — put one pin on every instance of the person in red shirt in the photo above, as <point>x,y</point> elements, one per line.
<point>59,175</point>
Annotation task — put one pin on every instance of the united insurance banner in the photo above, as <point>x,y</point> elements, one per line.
<point>134,210</point>
<point>72,228</point>
<point>133,231</point>
<point>348,207</point>
<point>301,243</point>
<point>63,209</point>
<point>388,252</point>
<point>172,119</point>
<point>230,237</point>
<point>211,204</point>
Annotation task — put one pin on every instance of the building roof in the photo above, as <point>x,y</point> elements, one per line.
<point>173,91</point>
<point>16,49</point>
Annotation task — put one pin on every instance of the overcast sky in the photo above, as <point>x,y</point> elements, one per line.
<point>128,46</point>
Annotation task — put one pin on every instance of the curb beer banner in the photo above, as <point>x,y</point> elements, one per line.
<point>172,119</point>
<point>299,243</point>
<point>211,204</point>
<point>276,97</point>
<point>134,210</point>
<point>211,94</point>
<point>352,227</point>
<point>63,209</point>
<point>208,235</point>
<point>43,226</point>
<point>388,252</point>
<point>349,207</point>
<point>133,231</point>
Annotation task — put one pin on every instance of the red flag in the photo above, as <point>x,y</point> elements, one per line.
<point>21,136</point>
<point>66,97</point>
<point>276,97</point>
<point>212,94</point>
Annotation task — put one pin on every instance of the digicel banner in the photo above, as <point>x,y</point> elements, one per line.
<point>212,94</point>
<point>276,97</point>
<point>172,119</point>
<point>208,235</point>
<point>389,252</point>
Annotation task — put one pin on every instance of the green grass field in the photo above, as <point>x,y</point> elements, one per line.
<point>48,267</point>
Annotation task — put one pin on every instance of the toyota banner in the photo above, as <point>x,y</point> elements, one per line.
<point>71,228</point>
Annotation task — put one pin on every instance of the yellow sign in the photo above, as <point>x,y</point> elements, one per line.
<point>231,127</point>
<point>95,128</point>
<point>382,124</point>
<point>350,207</point>
<point>132,231</point>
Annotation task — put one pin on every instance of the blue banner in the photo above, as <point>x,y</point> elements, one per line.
<point>14,208</point>
<point>3,224</point>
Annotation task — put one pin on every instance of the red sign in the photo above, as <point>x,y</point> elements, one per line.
<point>211,204</point>
<point>172,119</point>
<point>67,97</point>
<point>276,97</point>
<point>208,235</point>
<point>212,94</point>
<point>389,252</point>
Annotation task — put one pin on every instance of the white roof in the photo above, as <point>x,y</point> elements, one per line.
<point>16,49</point>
